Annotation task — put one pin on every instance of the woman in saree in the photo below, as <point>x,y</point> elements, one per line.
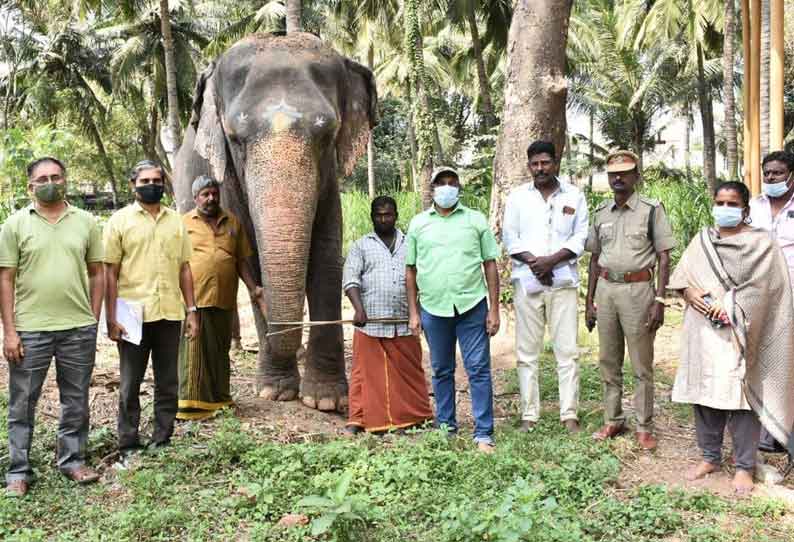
<point>737,342</point>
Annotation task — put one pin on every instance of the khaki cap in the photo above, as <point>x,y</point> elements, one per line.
<point>443,169</point>
<point>620,161</point>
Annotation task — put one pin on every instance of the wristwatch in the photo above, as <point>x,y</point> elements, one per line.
<point>192,308</point>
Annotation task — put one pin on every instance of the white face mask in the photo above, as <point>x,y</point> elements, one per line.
<point>775,190</point>
<point>446,196</point>
<point>727,217</point>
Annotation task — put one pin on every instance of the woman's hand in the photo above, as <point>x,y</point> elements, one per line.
<point>694,298</point>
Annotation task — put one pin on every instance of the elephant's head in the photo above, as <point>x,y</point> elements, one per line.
<point>282,117</point>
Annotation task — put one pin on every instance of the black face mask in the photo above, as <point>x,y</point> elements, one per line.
<point>150,193</point>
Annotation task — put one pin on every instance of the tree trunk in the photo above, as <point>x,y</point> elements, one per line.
<point>488,119</point>
<point>106,161</point>
<point>535,111</point>
<point>590,157</point>
<point>294,9</point>
<point>370,143</point>
<point>729,128</point>
<point>173,134</point>
<point>687,141</point>
<point>426,130</point>
<point>707,118</point>
<point>765,34</point>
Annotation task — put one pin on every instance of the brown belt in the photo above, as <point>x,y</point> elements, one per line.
<point>633,276</point>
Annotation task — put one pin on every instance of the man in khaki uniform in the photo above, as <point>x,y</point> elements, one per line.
<point>628,235</point>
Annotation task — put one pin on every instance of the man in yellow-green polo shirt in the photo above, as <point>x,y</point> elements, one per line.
<point>51,285</point>
<point>448,248</point>
<point>147,250</point>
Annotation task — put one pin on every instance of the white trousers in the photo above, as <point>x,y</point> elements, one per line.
<point>533,311</point>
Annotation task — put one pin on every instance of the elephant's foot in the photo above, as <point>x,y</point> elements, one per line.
<point>324,393</point>
<point>279,387</point>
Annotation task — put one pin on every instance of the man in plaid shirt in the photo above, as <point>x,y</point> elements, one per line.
<point>387,390</point>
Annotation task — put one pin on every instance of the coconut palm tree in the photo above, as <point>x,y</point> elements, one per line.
<point>695,26</point>
<point>625,82</point>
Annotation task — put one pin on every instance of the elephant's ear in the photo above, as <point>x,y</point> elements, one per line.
<point>210,142</point>
<point>359,115</point>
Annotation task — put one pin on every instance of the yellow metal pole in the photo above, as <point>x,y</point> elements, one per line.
<point>776,76</point>
<point>747,57</point>
<point>755,98</point>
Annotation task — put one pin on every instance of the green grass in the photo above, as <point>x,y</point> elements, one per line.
<point>236,485</point>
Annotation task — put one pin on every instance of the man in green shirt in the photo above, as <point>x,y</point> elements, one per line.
<point>51,287</point>
<point>448,247</point>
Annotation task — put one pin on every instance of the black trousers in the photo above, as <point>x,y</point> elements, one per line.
<point>745,431</point>
<point>161,340</point>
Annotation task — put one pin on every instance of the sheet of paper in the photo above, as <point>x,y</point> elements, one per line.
<point>530,284</point>
<point>562,276</point>
<point>130,315</point>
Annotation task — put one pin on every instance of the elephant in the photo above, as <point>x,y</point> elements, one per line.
<point>277,119</point>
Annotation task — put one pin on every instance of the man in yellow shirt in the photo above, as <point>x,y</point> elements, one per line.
<point>147,253</point>
<point>221,253</point>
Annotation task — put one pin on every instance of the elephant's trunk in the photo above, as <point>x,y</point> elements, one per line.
<point>281,180</point>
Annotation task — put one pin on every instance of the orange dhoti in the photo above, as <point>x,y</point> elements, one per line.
<point>387,383</point>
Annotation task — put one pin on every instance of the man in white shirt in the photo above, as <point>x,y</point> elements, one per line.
<point>544,231</point>
<point>773,210</point>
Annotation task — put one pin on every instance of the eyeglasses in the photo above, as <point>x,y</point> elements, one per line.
<point>55,178</point>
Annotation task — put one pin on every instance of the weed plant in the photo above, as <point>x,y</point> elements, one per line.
<point>226,483</point>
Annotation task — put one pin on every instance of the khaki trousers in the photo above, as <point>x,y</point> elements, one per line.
<point>533,311</point>
<point>622,310</point>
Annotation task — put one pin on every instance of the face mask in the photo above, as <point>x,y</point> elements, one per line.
<point>446,196</point>
<point>775,190</point>
<point>50,192</point>
<point>150,193</point>
<point>727,217</point>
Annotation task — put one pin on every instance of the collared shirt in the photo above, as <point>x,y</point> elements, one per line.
<point>448,252</point>
<point>380,275</point>
<point>215,257</point>
<point>51,286</point>
<point>780,228</point>
<point>151,252</point>
<point>620,234</point>
<point>543,227</point>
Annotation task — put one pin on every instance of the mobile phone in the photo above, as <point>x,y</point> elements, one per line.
<point>715,322</point>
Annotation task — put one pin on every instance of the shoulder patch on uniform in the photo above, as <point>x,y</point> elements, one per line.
<point>650,201</point>
<point>603,204</point>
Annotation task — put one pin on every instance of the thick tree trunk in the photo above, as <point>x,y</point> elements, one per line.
<point>536,52</point>
<point>294,9</point>
<point>488,119</point>
<point>707,118</point>
<point>729,100</point>
<point>172,126</point>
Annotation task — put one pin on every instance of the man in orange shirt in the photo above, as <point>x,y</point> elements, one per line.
<point>221,253</point>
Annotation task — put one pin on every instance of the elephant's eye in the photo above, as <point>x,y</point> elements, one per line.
<point>234,138</point>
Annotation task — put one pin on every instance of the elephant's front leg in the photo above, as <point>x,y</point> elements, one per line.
<point>324,386</point>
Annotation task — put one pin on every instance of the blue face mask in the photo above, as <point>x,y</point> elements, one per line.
<point>727,217</point>
<point>775,190</point>
<point>446,196</point>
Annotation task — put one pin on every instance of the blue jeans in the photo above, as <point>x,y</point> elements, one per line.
<point>468,329</point>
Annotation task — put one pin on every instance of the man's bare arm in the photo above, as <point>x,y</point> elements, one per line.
<point>12,345</point>
<point>96,285</point>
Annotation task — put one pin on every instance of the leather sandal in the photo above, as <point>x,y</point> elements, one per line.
<point>646,440</point>
<point>17,488</point>
<point>609,431</point>
<point>82,474</point>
